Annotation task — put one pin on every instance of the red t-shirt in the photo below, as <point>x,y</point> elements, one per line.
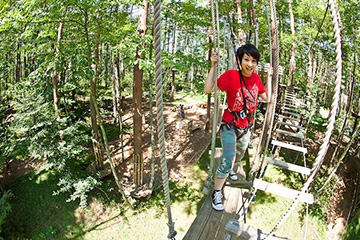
<point>229,81</point>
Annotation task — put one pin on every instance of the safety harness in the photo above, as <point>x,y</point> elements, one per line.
<point>244,113</point>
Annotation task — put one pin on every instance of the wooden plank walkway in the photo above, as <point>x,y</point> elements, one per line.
<point>210,224</point>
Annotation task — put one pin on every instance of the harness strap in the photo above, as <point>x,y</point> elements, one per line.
<point>232,124</point>
<point>242,114</point>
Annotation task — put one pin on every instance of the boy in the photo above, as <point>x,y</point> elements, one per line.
<point>242,90</point>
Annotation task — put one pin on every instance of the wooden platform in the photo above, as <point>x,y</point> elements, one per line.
<point>210,224</point>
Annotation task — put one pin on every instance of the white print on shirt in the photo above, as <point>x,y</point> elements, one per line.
<point>239,101</point>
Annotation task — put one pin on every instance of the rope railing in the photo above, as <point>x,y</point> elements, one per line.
<point>265,131</point>
<point>334,106</point>
<point>209,179</point>
<point>160,115</point>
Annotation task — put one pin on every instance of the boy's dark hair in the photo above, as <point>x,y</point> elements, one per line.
<point>250,50</point>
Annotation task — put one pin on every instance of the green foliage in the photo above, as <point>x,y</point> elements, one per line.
<point>5,207</point>
<point>77,187</point>
<point>37,133</point>
<point>353,229</point>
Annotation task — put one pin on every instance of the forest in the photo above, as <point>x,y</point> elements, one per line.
<point>81,111</point>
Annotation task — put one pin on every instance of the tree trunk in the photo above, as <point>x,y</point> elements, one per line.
<point>115,86</point>
<point>239,20</point>
<point>18,64</point>
<point>96,138</point>
<point>106,62</point>
<point>121,76</point>
<point>137,84</point>
<point>250,16</point>
<point>292,57</point>
<point>310,71</point>
<point>56,74</point>
<point>172,94</point>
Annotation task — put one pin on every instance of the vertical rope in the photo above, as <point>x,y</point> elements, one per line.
<point>256,161</point>
<point>215,117</point>
<point>334,106</point>
<point>160,116</point>
<point>275,62</point>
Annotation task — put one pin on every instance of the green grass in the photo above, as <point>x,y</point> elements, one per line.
<point>37,214</point>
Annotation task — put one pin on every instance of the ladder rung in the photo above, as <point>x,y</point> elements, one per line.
<point>290,124</point>
<point>282,191</point>
<point>286,117</point>
<point>240,230</point>
<point>291,108</point>
<point>289,146</point>
<point>288,166</point>
<point>297,135</point>
<point>291,113</point>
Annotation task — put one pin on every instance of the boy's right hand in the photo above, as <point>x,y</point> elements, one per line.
<point>214,57</point>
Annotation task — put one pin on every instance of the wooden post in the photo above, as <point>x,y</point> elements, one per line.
<point>138,174</point>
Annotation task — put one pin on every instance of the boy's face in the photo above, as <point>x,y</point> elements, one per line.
<point>248,65</point>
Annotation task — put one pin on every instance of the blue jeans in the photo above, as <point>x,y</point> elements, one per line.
<point>231,149</point>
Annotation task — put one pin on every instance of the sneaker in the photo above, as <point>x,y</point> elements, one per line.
<point>217,201</point>
<point>233,176</point>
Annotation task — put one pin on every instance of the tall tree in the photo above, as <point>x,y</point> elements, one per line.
<point>239,21</point>
<point>292,56</point>
<point>93,64</point>
<point>138,79</point>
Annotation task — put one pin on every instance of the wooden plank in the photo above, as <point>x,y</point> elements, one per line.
<point>288,166</point>
<point>290,108</point>
<point>196,228</point>
<point>291,103</point>
<point>240,230</point>
<point>209,224</point>
<point>289,146</point>
<point>282,191</point>
<point>231,206</point>
<point>297,135</point>
<point>286,117</point>
<point>290,124</point>
<point>291,113</point>
<point>211,229</point>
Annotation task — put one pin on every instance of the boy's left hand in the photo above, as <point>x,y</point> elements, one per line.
<point>270,72</point>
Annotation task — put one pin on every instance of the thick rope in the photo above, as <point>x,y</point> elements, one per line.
<point>160,116</point>
<point>334,106</point>
<point>256,161</point>
<point>209,179</point>
<point>275,62</point>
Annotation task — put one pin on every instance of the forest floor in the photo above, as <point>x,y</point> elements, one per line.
<point>183,151</point>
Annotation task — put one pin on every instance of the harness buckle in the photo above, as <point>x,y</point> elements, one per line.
<point>242,114</point>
